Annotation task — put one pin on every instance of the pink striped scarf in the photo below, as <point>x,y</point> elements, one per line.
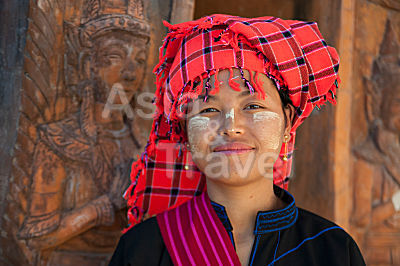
<point>194,235</point>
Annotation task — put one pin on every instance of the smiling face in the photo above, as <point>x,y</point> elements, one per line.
<point>235,136</point>
<point>120,57</point>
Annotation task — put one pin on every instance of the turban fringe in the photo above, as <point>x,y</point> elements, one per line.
<point>291,53</point>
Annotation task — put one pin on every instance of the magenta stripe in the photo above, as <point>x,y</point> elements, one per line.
<point>193,227</point>
<point>216,229</point>
<point>183,238</point>
<point>206,230</point>
<point>171,237</point>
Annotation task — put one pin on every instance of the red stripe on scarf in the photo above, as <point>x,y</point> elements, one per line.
<point>194,235</point>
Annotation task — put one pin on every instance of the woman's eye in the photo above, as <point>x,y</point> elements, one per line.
<point>253,106</point>
<point>208,110</point>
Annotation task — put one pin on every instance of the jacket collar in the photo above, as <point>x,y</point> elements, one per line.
<point>266,221</point>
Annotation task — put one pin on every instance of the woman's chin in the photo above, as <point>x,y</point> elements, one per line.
<point>238,179</point>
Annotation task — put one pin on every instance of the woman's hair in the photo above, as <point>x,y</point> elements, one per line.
<point>284,95</point>
<point>285,99</point>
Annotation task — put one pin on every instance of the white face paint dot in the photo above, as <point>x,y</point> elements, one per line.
<point>231,114</point>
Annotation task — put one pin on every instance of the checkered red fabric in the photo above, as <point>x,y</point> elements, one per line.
<point>292,53</point>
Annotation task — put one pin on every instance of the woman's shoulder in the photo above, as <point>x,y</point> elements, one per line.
<point>148,228</point>
<point>314,218</point>
<point>314,224</point>
<point>328,238</point>
<point>314,240</point>
<point>141,245</point>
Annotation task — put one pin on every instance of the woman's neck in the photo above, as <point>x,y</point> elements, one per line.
<point>243,202</point>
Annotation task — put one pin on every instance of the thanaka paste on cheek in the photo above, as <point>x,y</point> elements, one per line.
<point>268,126</point>
<point>197,127</point>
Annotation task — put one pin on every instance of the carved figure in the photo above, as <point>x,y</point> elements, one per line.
<point>81,163</point>
<point>377,193</point>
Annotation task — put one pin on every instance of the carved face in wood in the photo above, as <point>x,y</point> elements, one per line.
<point>118,57</point>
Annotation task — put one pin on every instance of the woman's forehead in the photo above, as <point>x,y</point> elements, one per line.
<point>225,75</point>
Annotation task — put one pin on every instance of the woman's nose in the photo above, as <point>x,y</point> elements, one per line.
<point>230,124</point>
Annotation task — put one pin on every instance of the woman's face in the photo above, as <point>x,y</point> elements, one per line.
<point>235,136</point>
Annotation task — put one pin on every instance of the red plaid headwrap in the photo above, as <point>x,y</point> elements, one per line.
<point>291,53</point>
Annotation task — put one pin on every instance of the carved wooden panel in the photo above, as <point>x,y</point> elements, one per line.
<point>377,137</point>
<point>86,63</point>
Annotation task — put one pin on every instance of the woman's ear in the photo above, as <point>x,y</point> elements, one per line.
<point>289,113</point>
<point>182,124</point>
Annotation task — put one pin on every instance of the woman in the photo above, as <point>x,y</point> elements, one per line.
<point>230,94</point>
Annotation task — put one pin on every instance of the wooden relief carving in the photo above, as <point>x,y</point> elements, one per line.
<point>81,123</point>
<point>392,4</point>
<point>378,158</point>
<point>74,150</point>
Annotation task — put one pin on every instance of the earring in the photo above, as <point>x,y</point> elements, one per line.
<point>285,141</point>
<point>187,150</point>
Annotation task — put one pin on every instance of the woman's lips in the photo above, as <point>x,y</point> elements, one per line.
<point>235,148</point>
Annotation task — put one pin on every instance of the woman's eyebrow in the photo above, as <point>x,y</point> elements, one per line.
<point>245,93</point>
<point>248,93</point>
<point>212,98</point>
<point>209,97</point>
